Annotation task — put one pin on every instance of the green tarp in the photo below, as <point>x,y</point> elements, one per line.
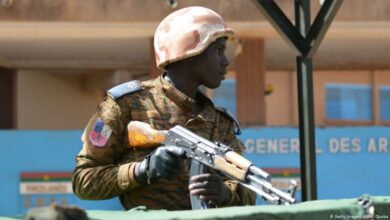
<point>321,209</point>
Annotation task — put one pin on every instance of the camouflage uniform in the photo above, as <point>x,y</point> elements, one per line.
<point>108,171</point>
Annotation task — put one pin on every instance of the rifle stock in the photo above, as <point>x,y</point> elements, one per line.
<point>141,135</point>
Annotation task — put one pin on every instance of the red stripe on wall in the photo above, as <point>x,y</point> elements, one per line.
<point>46,174</point>
<point>282,170</point>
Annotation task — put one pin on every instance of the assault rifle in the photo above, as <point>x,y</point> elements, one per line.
<point>220,157</point>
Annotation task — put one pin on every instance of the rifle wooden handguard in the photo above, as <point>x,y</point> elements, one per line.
<point>231,169</point>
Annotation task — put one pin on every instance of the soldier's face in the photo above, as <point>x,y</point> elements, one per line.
<point>209,68</point>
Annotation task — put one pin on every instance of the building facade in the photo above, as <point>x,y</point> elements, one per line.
<point>58,58</point>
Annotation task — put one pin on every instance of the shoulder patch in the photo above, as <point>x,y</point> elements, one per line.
<point>125,88</point>
<point>100,134</point>
<point>227,113</point>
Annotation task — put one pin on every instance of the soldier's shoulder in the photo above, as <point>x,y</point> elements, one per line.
<point>128,89</point>
<point>125,89</point>
<point>229,116</point>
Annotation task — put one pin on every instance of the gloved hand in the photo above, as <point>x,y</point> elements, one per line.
<point>210,188</point>
<point>164,162</point>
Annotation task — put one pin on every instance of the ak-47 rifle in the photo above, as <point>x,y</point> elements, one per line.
<point>218,156</point>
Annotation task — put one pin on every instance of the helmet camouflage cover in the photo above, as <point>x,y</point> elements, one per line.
<point>186,33</point>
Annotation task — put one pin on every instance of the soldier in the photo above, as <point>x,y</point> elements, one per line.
<point>189,46</point>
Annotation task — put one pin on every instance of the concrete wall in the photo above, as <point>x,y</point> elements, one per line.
<point>152,10</point>
<point>54,101</point>
<point>279,105</point>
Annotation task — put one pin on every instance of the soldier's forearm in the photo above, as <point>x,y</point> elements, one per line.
<point>103,182</point>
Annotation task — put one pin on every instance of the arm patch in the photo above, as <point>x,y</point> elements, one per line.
<point>100,134</point>
<point>236,125</point>
<point>125,88</point>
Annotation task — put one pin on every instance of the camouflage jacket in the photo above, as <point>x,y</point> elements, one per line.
<point>108,171</point>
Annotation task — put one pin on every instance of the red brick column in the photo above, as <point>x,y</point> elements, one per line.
<point>250,76</point>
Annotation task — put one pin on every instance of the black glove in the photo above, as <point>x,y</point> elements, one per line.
<point>210,188</point>
<point>164,162</point>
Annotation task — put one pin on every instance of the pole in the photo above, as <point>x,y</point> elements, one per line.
<point>306,108</point>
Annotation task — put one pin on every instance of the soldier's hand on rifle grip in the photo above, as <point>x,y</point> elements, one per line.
<point>162,163</point>
<point>210,188</point>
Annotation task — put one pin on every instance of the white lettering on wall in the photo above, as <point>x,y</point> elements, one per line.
<point>272,146</point>
<point>344,145</point>
<point>27,188</point>
<point>336,145</point>
<point>380,145</point>
<point>371,146</point>
<point>356,147</point>
<point>383,144</point>
<point>260,146</point>
<point>333,145</point>
<point>294,145</point>
<point>283,146</point>
<point>249,143</point>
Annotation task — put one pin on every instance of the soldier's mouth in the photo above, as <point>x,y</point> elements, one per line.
<point>222,75</point>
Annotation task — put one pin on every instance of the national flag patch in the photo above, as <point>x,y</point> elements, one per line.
<point>100,133</point>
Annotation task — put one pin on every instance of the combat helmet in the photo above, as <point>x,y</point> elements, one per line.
<point>186,33</point>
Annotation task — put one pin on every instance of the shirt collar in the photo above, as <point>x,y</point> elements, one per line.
<point>207,111</point>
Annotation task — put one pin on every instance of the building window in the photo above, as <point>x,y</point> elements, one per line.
<point>225,95</point>
<point>351,102</point>
<point>384,101</point>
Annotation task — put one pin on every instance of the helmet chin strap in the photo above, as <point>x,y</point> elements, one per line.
<point>166,77</point>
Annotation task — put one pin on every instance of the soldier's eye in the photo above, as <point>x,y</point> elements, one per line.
<point>220,50</point>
